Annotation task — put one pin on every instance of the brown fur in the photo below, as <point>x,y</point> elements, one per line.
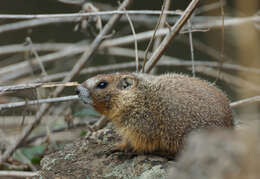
<point>154,113</point>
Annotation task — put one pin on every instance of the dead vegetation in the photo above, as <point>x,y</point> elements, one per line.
<point>218,41</point>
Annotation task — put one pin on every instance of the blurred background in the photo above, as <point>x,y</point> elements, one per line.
<point>228,57</point>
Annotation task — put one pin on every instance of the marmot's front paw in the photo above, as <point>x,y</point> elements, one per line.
<point>122,150</point>
<point>120,147</point>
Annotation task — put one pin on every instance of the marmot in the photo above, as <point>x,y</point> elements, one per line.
<point>154,113</point>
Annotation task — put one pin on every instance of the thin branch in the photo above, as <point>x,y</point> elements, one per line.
<point>191,48</point>
<point>222,32</point>
<point>76,69</point>
<point>245,101</point>
<point>221,57</point>
<point>4,89</point>
<point>162,23</point>
<point>39,101</point>
<point>153,37</point>
<point>29,41</point>
<point>100,13</point>
<point>169,37</point>
<point>35,23</point>
<point>136,44</point>
<point>18,174</point>
<point>43,47</point>
<point>228,22</point>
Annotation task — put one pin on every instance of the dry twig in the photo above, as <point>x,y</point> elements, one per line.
<point>191,47</point>
<point>38,101</point>
<point>33,86</point>
<point>135,42</point>
<point>18,174</point>
<point>162,23</point>
<point>221,58</point>
<point>245,101</point>
<point>70,15</point>
<point>30,44</point>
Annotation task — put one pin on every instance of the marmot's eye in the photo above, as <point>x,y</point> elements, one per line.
<point>102,84</point>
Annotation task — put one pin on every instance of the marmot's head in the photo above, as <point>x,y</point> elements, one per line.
<point>107,92</point>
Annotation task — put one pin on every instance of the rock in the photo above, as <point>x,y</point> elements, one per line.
<point>220,155</point>
<point>86,158</point>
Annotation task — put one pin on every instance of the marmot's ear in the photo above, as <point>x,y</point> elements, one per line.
<point>126,82</point>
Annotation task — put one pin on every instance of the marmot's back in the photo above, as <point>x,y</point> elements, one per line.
<point>154,113</point>
<point>195,99</point>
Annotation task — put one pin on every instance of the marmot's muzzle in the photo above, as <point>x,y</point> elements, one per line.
<point>83,94</point>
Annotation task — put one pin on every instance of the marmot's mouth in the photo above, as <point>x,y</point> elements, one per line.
<point>83,94</point>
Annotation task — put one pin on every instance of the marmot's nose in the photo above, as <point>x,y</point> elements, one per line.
<point>77,90</point>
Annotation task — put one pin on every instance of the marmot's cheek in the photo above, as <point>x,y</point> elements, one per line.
<point>84,95</point>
